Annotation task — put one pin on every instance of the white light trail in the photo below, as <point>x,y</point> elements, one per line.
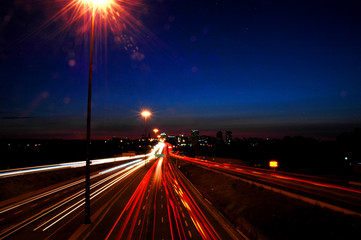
<point>78,204</point>
<point>130,168</point>
<point>44,168</point>
<point>117,167</point>
<point>52,191</point>
<point>123,174</point>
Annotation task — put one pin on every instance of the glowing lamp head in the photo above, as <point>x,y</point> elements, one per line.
<point>145,113</point>
<point>155,130</point>
<point>97,2</point>
<point>101,5</point>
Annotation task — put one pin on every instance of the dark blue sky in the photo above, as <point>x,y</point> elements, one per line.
<point>258,68</point>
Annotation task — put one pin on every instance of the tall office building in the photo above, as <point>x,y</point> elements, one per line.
<point>219,137</point>
<point>228,137</point>
<point>194,136</point>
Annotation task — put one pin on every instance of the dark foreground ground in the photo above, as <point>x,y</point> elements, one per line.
<point>263,214</point>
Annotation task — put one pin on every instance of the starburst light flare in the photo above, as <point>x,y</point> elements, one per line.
<point>102,5</point>
<point>120,17</point>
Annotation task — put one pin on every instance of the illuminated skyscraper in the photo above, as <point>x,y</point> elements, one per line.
<point>228,137</point>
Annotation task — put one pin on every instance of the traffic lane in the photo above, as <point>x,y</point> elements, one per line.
<point>150,212</point>
<point>24,211</point>
<point>329,193</point>
<point>123,220</point>
<point>344,196</point>
<point>180,222</point>
<point>61,210</point>
<point>161,223</point>
<point>216,223</point>
<point>350,201</point>
<point>22,202</point>
<point>105,208</point>
<point>291,177</point>
<point>185,206</point>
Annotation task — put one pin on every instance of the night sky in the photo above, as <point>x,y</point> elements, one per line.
<point>258,68</point>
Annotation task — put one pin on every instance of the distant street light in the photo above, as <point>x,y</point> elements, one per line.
<point>155,130</point>
<point>145,114</point>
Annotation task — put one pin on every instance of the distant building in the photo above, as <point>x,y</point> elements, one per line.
<point>228,137</point>
<point>195,141</point>
<point>182,140</point>
<point>206,141</point>
<point>194,136</point>
<point>219,137</point>
<point>172,140</point>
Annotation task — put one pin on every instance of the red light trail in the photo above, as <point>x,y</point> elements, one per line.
<point>266,173</point>
<point>315,190</point>
<point>180,206</point>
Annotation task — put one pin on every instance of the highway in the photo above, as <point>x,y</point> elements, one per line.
<point>131,201</point>
<point>164,206</point>
<point>315,190</point>
<point>43,215</point>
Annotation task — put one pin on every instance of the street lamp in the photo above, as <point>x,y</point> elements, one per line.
<point>145,114</point>
<point>114,13</point>
<point>155,130</point>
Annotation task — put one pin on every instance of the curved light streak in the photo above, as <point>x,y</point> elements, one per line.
<point>44,168</point>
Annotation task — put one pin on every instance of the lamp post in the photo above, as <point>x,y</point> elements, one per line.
<point>107,11</point>
<point>94,4</point>
<point>88,127</point>
<point>145,114</point>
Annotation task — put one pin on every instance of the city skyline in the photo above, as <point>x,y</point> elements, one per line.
<point>255,68</point>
